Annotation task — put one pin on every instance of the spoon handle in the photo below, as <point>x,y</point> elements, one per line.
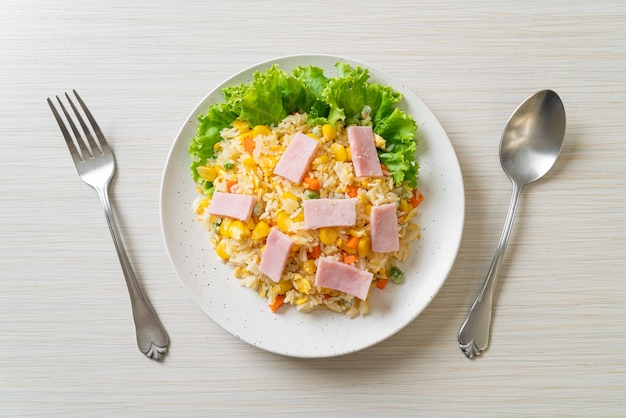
<point>474,333</point>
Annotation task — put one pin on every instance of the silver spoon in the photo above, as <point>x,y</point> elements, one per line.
<point>530,145</point>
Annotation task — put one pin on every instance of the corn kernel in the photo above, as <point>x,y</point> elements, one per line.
<point>328,235</point>
<point>404,206</point>
<point>303,284</point>
<point>260,231</point>
<point>225,227</point>
<point>358,232</point>
<point>261,130</point>
<point>302,300</point>
<point>299,217</point>
<point>207,173</point>
<point>238,230</point>
<point>308,266</point>
<point>283,221</point>
<point>220,250</point>
<point>367,209</point>
<point>312,135</point>
<point>329,132</point>
<point>202,206</point>
<point>217,146</point>
<point>340,152</point>
<point>379,141</point>
<point>288,195</point>
<point>322,159</point>
<point>249,163</point>
<point>364,247</point>
<point>241,125</point>
<point>251,225</point>
<point>239,272</point>
<point>349,152</point>
<point>284,286</point>
<point>268,163</point>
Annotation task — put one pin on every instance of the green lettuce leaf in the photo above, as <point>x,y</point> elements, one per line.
<point>350,93</point>
<point>347,98</point>
<point>315,81</point>
<point>262,103</point>
<point>201,149</point>
<point>399,129</point>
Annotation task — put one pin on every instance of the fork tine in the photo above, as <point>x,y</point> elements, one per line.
<point>76,156</point>
<point>85,151</point>
<point>104,146</point>
<point>93,145</point>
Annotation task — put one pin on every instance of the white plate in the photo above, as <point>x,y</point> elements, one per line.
<point>322,333</point>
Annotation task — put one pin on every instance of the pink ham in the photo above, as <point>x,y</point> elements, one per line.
<point>274,258</point>
<point>232,205</point>
<point>321,213</point>
<point>333,274</point>
<point>384,228</point>
<point>296,160</point>
<point>363,150</point>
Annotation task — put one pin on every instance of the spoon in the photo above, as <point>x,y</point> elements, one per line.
<point>530,145</point>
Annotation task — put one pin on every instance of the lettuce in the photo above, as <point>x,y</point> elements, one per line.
<point>350,92</point>
<point>398,129</point>
<point>201,148</point>
<point>348,98</point>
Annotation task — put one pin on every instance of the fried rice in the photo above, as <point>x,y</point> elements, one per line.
<point>244,164</point>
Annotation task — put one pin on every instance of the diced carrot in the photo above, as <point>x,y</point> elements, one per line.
<point>249,144</point>
<point>349,258</point>
<point>229,185</point>
<point>382,283</point>
<point>353,242</point>
<point>416,199</point>
<point>326,296</point>
<point>384,168</point>
<point>315,252</point>
<point>312,184</point>
<point>278,302</point>
<point>352,190</point>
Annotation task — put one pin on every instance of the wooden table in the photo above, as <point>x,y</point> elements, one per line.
<point>558,339</point>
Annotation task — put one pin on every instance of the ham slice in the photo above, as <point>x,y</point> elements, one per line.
<point>333,274</point>
<point>274,258</point>
<point>363,150</point>
<point>384,228</point>
<point>297,158</point>
<point>321,213</point>
<point>232,205</point>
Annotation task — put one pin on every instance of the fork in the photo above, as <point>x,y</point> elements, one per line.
<point>95,164</point>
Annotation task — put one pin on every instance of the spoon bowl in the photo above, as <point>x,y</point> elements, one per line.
<point>533,137</point>
<point>529,147</point>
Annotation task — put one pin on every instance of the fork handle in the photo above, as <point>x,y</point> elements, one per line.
<point>152,338</point>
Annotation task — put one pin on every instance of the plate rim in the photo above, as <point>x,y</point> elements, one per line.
<point>375,74</point>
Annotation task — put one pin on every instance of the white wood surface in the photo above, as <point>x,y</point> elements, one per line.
<point>67,340</point>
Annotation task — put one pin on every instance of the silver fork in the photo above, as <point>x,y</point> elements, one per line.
<point>95,164</point>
